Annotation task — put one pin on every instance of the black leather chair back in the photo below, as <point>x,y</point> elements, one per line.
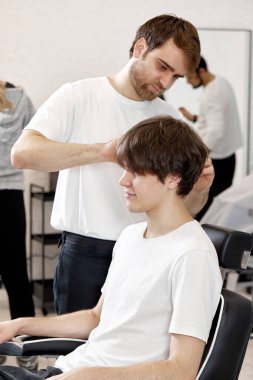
<point>227,343</point>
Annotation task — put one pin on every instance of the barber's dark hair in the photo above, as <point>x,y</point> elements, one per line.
<point>160,29</point>
<point>163,145</point>
<point>202,64</point>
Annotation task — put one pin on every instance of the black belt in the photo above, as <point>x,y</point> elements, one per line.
<point>85,240</point>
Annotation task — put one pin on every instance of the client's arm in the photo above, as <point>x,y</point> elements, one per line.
<point>74,325</point>
<point>183,363</point>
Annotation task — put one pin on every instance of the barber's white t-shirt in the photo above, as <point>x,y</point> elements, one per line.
<point>155,287</point>
<point>89,200</point>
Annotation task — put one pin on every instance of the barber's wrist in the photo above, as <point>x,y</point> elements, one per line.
<point>194,118</point>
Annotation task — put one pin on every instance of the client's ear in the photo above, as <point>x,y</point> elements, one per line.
<point>172,181</point>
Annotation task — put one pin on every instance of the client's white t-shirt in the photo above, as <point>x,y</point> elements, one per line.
<point>156,286</point>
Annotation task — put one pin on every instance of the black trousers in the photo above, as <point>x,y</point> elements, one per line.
<point>224,173</point>
<point>81,272</point>
<point>16,373</point>
<point>13,266</point>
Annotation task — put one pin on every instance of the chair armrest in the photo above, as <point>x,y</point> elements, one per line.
<point>25,345</point>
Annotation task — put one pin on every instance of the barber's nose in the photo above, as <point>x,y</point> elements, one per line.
<point>167,80</point>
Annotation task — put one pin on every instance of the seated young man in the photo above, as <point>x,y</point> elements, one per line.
<point>163,286</point>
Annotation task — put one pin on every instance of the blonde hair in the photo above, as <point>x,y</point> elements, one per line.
<point>5,103</point>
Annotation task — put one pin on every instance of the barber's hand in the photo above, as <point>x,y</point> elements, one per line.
<point>206,178</point>
<point>198,197</point>
<point>109,151</point>
<point>187,114</point>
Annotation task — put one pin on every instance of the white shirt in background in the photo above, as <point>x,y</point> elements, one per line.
<point>218,121</point>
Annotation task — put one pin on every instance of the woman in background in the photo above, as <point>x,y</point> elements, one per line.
<point>16,110</point>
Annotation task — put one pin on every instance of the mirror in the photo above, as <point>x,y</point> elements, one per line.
<point>228,53</point>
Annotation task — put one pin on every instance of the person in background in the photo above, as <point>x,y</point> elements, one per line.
<point>16,110</point>
<point>163,286</point>
<point>218,125</point>
<point>89,206</point>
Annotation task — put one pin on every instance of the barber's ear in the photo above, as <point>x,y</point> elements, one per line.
<point>172,181</point>
<point>139,47</point>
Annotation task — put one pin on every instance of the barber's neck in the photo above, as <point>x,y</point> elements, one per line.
<point>122,84</point>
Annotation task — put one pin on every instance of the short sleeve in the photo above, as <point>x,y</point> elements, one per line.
<point>195,294</point>
<point>54,118</point>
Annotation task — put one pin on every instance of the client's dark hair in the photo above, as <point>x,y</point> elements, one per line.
<point>163,145</point>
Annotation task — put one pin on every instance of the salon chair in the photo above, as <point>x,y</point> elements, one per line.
<point>232,324</point>
<point>228,339</point>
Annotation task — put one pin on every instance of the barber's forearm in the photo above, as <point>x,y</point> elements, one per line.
<point>34,151</point>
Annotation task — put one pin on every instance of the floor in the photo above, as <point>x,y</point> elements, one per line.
<point>247,367</point>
